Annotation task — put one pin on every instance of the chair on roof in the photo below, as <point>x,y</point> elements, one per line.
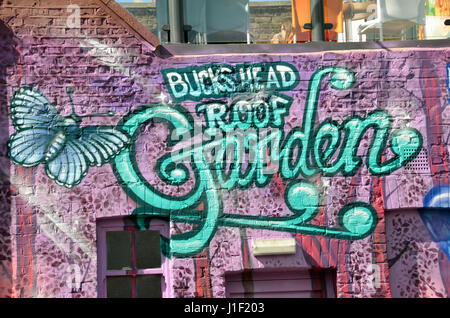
<point>395,16</point>
<point>301,16</point>
<point>209,21</point>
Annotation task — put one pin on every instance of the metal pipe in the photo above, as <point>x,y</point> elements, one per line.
<point>176,21</point>
<point>317,20</point>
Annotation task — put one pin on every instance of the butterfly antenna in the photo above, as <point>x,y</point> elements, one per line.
<point>69,91</point>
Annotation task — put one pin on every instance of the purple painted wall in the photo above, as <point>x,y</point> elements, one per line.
<point>49,231</point>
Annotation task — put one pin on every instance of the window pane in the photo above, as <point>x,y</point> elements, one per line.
<point>283,21</point>
<point>148,249</point>
<point>118,250</point>
<point>385,20</point>
<point>219,21</point>
<point>227,21</point>
<point>148,286</point>
<point>393,20</point>
<point>118,287</point>
<point>271,22</point>
<point>144,11</point>
<point>210,21</point>
<point>193,15</point>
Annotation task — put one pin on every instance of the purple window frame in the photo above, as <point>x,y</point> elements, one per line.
<point>117,224</point>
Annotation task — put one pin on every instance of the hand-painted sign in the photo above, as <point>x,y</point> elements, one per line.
<point>250,131</point>
<point>305,151</point>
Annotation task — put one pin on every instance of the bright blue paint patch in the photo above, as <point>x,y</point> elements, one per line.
<point>437,222</point>
<point>448,80</point>
<point>437,197</point>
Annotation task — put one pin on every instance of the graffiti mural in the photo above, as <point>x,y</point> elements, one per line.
<point>418,251</point>
<point>344,153</point>
<point>44,136</point>
<point>448,80</point>
<point>357,219</point>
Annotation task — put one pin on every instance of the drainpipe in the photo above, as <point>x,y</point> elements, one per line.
<point>317,20</point>
<point>176,22</point>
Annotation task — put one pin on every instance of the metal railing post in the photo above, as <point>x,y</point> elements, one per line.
<point>176,21</point>
<point>317,20</point>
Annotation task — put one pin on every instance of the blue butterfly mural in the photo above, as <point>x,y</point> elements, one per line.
<point>67,149</point>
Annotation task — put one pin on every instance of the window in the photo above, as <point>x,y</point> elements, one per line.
<point>375,20</point>
<point>130,263</point>
<point>384,20</point>
<point>210,21</point>
<point>289,21</point>
<point>285,283</point>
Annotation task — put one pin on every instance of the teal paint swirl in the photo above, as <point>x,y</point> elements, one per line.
<point>328,149</point>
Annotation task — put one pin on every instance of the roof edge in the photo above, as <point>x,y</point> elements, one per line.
<point>130,22</point>
<point>171,50</point>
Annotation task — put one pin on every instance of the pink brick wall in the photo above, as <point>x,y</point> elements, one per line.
<point>47,227</point>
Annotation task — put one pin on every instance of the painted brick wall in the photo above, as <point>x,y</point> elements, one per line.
<point>43,51</point>
<point>48,227</point>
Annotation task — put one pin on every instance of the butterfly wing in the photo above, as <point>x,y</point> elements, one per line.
<point>30,109</point>
<point>69,167</point>
<point>101,143</point>
<point>36,121</point>
<point>27,147</point>
<point>96,146</point>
